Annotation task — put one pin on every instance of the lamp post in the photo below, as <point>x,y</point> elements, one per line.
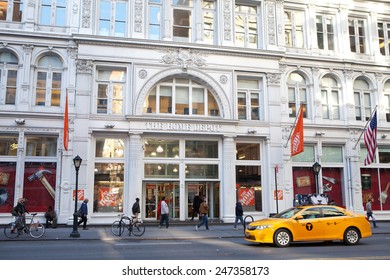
<point>316,168</point>
<point>77,162</point>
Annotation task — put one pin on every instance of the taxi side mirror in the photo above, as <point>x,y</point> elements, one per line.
<point>299,217</point>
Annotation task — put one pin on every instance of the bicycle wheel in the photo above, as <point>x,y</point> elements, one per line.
<point>36,230</point>
<point>117,228</point>
<point>8,231</point>
<point>138,229</point>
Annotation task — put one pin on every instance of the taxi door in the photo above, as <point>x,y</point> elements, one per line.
<point>310,227</point>
<point>335,223</point>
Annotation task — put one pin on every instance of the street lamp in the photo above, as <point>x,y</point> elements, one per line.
<point>316,168</point>
<point>77,162</point>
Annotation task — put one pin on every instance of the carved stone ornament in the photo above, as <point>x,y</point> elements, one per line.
<point>142,74</point>
<point>86,14</point>
<point>183,58</point>
<point>84,66</point>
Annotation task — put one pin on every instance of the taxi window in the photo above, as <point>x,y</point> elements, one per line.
<point>311,213</point>
<point>287,213</point>
<point>332,212</point>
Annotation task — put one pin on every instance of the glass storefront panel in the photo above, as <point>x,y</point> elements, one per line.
<point>247,151</point>
<point>161,170</point>
<point>108,187</point>
<point>201,171</point>
<point>7,186</point>
<point>304,180</point>
<point>201,149</point>
<point>41,146</point>
<point>383,198</point>
<point>109,148</point>
<point>155,191</point>
<point>332,184</point>
<point>8,145</point>
<point>308,155</point>
<point>161,148</point>
<point>249,188</point>
<point>39,185</point>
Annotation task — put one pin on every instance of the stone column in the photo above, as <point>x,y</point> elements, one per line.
<point>228,183</point>
<point>133,189</point>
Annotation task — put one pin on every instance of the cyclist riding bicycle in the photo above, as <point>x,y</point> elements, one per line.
<point>19,212</point>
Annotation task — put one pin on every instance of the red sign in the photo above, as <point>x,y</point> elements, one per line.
<point>280,194</point>
<point>107,198</point>
<point>80,194</point>
<point>247,196</point>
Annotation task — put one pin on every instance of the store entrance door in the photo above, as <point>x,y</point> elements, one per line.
<point>155,191</point>
<point>208,190</point>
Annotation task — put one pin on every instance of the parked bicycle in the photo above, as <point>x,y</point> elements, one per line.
<point>17,228</point>
<point>125,222</point>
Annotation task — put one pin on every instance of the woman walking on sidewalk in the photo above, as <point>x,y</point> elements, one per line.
<point>203,210</point>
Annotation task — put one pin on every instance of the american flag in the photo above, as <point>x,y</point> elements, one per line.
<point>370,140</point>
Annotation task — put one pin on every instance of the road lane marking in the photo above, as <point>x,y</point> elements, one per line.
<point>153,243</point>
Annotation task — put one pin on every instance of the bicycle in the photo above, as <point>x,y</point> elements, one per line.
<point>15,229</point>
<point>118,227</point>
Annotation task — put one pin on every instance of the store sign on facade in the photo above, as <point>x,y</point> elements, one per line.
<point>80,194</point>
<point>247,196</point>
<point>195,127</point>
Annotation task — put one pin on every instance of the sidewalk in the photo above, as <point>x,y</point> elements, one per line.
<point>153,232</point>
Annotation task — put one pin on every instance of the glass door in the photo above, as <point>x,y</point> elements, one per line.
<point>155,191</point>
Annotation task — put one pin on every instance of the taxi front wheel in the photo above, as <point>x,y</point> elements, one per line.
<point>351,236</point>
<point>282,238</point>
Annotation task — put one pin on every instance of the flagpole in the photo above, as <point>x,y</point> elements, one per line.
<point>364,129</point>
<point>295,122</point>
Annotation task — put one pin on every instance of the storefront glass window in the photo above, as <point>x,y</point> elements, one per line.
<point>304,180</point>
<point>7,186</point>
<point>384,154</point>
<point>370,186</point>
<point>109,148</point>
<point>161,170</point>
<point>201,149</point>
<point>39,185</point>
<point>308,155</point>
<point>332,154</point>
<point>41,146</point>
<point>247,151</point>
<point>161,148</point>
<point>249,188</point>
<point>201,171</point>
<point>108,187</point>
<point>332,185</point>
<point>8,145</point>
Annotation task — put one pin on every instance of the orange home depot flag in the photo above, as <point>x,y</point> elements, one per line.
<point>297,136</point>
<point>66,124</point>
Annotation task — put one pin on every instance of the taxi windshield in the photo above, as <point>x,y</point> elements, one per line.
<point>287,213</point>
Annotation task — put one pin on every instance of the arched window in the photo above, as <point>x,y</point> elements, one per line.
<point>297,94</point>
<point>49,81</point>
<point>330,98</point>
<point>363,99</point>
<point>181,96</point>
<point>8,77</point>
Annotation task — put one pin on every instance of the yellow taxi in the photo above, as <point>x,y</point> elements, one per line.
<point>310,223</point>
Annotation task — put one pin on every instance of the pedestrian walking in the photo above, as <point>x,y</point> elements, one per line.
<point>239,213</point>
<point>369,211</point>
<point>195,206</point>
<point>83,214</point>
<point>136,210</point>
<point>164,213</point>
<point>204,210</point>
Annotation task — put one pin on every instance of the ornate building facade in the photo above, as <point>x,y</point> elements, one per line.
<point>178,97</point>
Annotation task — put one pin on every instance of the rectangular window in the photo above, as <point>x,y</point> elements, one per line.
<point>201,149</point>
<point>166,99</point>
<point>182,100</point>
<point>53,12</point>
<point>384,154</point>
<point>202,171</point>
<point>308,155</point>
<point>10,95</point>
<point>56,89</point>
<point>357,35</point>
<point>249,187</point>
<point>332,154</point>
<point>8,146</point>
<point>41,89</point>
<point>209,18</point>
<point>108,187</point>
<point>112,18</point>
<point>182,20</point>
<point>249,99</point>
<point>294,28</point>
<point>161,170</point>
<point>41,146</point>
<point>161,148</point>
<point>384,38</point>
<point>109,148</point>
<point>155,9</point>
<point>16,8</point>
<point>247,151</point>
<point>325,32</point>
<point>246,26</point>
<point>7,183</point>
<point>110,91</point>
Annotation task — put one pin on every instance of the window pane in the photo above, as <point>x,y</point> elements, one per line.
<point>8,145</point>
<point>308,155</point>
<point>165,99</point>
<point>332,154</point>
<point>41,89</point>
<point>161,148</point>
<point>109,148</point>
<point>247,151</point>
<point>41,146</point>
<point>249,188</point>
<point>201,149</point>
<point>161,170</point>
<point>198,171</point>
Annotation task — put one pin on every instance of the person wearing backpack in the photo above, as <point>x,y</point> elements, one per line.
<point>136,210</point>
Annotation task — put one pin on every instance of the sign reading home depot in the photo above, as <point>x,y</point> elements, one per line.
<point>80,194</point>
<point>247,196</point>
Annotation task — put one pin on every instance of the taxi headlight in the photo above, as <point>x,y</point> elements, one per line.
<point>263,227</point>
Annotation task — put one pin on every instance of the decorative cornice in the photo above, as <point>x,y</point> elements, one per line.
<point>184,58</point>
<point>84,66</point>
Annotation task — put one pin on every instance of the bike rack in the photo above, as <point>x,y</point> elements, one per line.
<point>247,216</point>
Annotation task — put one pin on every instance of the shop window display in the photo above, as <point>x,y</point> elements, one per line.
<point>39,185</point>
<point>108,187</point>
<point>7,186</point>
<point>249,188</point>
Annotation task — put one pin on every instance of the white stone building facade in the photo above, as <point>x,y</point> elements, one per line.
<point>177,97</point>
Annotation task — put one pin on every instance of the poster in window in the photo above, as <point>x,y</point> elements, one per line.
<point>247,196</point>
<point>107,198</point>
<point>366,181</point>
<point>280,194</point>
<point>80,195</point>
